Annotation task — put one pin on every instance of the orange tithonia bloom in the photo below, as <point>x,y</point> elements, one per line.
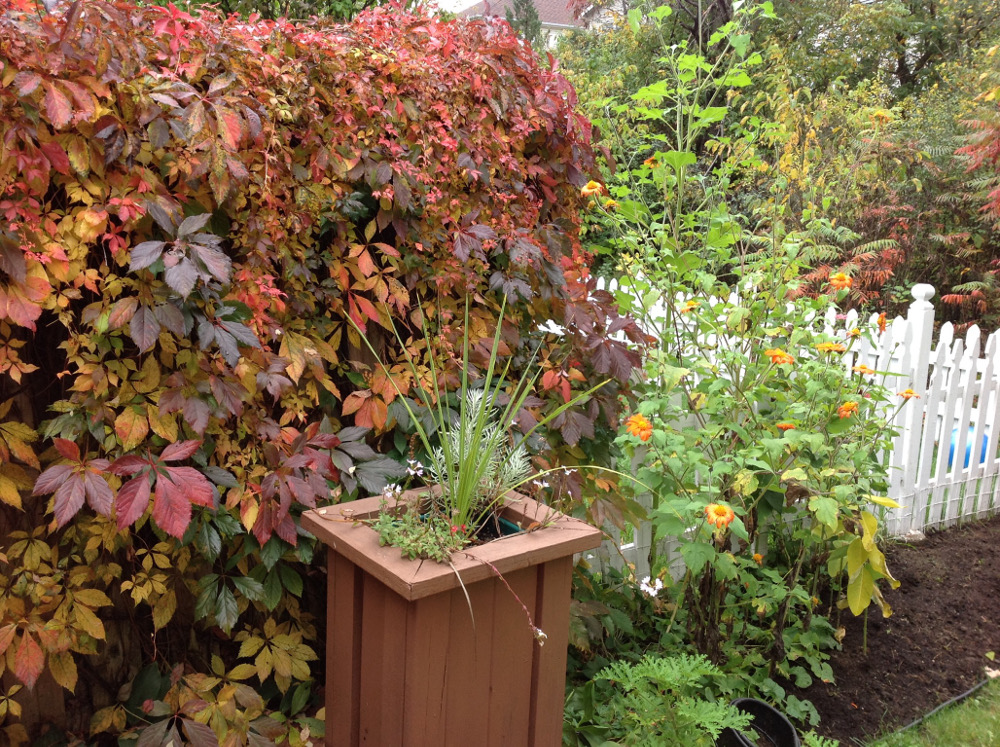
<point>758,558</point>
<point>719,515</point>
<point>779,356</point>
<point>909,394</point>
<point>785,426</point>
<point>854,332</point>
<point>651,162</point>
<point>637,425</point>
<point>690,306</point>
<point>881,322</point>
<point>592,188</point>
<point>831,347</point>
<point>840,281</point>
<point>610,204</point>
<point>863,369</point>
<point>847,409</point>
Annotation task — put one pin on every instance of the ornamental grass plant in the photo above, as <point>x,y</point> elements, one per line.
<point>469,441</point>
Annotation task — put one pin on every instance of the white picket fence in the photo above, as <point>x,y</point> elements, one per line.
<point>944,464</point>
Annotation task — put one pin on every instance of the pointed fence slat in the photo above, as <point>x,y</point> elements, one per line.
<point>944,462</point>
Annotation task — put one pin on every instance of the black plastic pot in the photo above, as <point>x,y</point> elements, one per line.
<point>769,728</point>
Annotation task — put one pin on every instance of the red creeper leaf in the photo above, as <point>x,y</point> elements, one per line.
<point>180,450</point>
<point>50,480</point>
<point>133,498</point>
<point>69,498</point>
<point>57,106</point>
<point>68,449</point>
<point>29,660</point>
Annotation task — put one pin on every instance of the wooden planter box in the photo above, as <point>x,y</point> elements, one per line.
<point>406,664</point>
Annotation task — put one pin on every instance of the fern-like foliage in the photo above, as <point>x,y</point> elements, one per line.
<point>666,701</point>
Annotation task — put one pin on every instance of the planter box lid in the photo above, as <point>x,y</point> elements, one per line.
<point>558,535</point>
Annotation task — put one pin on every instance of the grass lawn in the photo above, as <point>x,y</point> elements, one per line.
<point>975,722</point>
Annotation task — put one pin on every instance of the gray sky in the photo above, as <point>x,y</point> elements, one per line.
<point>455,5</point>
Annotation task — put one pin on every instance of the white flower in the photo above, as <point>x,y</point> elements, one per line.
<point>416,469</point>
<point>391,491</point>
<point>540,483</point>
<point>540,636</point>
<point>651,590</point>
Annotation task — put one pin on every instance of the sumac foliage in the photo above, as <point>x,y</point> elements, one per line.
<point>190,210</point>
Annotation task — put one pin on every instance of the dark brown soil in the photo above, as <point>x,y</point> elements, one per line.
<point>946,617</point>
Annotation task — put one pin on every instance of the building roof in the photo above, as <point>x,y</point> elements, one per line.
<point>554,12</point>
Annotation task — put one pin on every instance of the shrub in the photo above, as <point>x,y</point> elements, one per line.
<point>193,208</point>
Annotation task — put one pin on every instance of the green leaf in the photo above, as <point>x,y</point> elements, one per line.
<point>205,604</point>
<point>248,587</point>
<point>696,555</point>
<point>273,589</point>
<point>635,20</point>
<point>711,114</point>
<point>291,580</point>
<point>826,510</point>
<point>670,377</point>
<point>678,159</point>
<point>226,610</point>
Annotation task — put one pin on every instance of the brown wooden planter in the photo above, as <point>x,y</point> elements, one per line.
<point>406,665</point>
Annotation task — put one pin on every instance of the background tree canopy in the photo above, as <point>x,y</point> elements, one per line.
<point>861,112</point>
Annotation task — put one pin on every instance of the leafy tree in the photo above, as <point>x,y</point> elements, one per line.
<point>522,15</point>
<point>899,43</point>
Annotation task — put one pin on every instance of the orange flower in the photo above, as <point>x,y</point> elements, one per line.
<point>785,426</point>
<point>847,409</point>
<point>690,306</point>
<point>909,394</point>
<point>831,347</point>
<point>758,558</point>
<point>881,322</point>
<point>592,188</point>
<point>840,281</point>
<point>651,162</point>
<point>880,117</point>
<point>854,332</point>
<point>863,369</point>
<point>610,204</point>
<point>719,515</point>
<point>637,425</point>
<point>778,356</point>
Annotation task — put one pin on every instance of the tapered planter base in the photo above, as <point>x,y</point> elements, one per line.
<point>408,664</point>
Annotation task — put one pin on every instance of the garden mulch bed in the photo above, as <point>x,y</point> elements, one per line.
<point>946,617</point>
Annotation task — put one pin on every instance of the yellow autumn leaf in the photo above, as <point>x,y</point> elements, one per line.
<point>242,672</point>
<point>163,610</point>
<point>9,493</point>
<point>131,427</point>
<point>63,668</point>
<point>87,621</point>
<point>884,501</point>
<point>263,664</point>
<point>92,598</point>
<point>164,426</point>
<point>18,436</point>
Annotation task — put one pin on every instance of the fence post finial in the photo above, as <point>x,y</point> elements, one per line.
<point>921,322</point>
